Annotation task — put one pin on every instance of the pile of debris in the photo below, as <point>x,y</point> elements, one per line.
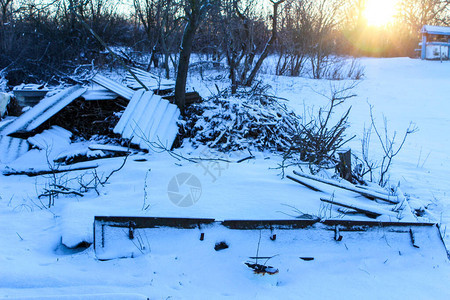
<point>247,120</point>
<point>105,111</point>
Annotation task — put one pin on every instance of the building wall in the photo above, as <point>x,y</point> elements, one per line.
<point>436,52</point>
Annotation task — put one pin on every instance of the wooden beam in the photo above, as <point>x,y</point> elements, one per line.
<point>32,172</point>
<point>363,192</point>
<point>366,209</point>
<point>303,183</point>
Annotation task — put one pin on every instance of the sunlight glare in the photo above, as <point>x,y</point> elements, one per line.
<point>380,12</point>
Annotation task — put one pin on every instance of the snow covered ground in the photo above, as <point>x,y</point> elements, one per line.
<point>403,90</point>
<point>35,263</point>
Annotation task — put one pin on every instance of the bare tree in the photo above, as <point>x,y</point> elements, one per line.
<point>269,44</point>
<point>416,13</point>
<point>160,22</point>
<point>242,29</point>
<point>237,26</point>
<point>294,39</point>
<point>323,16</point>
<point>5,7</point>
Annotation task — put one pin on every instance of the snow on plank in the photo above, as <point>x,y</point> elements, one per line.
<point>43,111</point>
<point>118,237</point>
<point>349,187</point>
<point>81,295</point>
<point>99,95</point>
<point>149,121</point>
<point>12,148</point>
<point>55,137</point>
<point>361,207</point>
<point>110,148</point>
<point>113,86</point>
<point>151,81</point>
<point>31,172</point>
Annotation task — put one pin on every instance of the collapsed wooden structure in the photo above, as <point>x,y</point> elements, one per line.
<point>148,120</point>
<point>123,236</point>
<point>390,219</point>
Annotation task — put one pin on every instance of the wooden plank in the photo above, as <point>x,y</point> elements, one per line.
<point>110,148</point>
<point>363,192</point>
<point>356,223</point>
<point>151,222</point>
<point>304,183</point>
<point>366,209</point>
<point>268,224</point>
<point>34,172</point>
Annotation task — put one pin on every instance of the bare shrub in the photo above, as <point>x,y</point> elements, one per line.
<point>341,68</point>
<point>390,147</point>
<point>318,139</point>
<point>61,183</point>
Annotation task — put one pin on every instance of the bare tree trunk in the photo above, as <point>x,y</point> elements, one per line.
<point>183,64</point>
<point>194,14</point>
<point>232,71</point>
<point>165,50</point>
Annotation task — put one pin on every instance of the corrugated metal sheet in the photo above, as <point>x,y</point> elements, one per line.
<point>149,121</point>
<point>150,80</point>
<point>99,94</point>
<point>43,111</point>
<point>12,148</point>
<point>113,86</point>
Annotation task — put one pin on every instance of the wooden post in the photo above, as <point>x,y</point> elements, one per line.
<point>448,49</point>
<point>345,165</point>
<point>424,46</point>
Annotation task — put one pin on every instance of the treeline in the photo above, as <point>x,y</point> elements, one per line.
<point>47,40</point>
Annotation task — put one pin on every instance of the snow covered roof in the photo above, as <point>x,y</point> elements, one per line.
<point>440,30</point>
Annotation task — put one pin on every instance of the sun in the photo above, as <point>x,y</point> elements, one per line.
<point>380,12</point>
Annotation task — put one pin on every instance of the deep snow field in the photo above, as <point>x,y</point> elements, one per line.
<point>34,263</point>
